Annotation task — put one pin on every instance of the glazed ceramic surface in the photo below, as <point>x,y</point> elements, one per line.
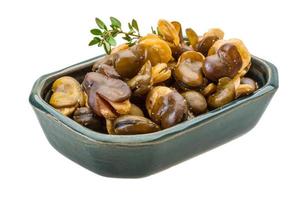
<point>146,154</point>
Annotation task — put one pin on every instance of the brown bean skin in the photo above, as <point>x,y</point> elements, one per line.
<point>204,45</point>
<point>188,70</point>
<point>86,117</point>
<point>169,109</point>
<point>127,63</point>
<point>111,89</point>
<point>108,71</point>
<point>196,102</point>
<point>225,93</point>
<point>131,124</point>
<point>141,83</point>
<point>226,63</point>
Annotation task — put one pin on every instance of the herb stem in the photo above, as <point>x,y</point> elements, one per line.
<point>132,34</point>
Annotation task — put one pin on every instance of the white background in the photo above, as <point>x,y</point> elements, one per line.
<point>38,37</point>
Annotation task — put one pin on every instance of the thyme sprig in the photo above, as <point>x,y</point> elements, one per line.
<point>106,35</point>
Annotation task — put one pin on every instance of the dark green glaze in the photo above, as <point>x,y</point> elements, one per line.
<point>143,155</point>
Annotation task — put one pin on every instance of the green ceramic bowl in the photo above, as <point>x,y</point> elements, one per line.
<point>143,155</point>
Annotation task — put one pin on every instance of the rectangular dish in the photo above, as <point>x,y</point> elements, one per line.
<point>146,154</point>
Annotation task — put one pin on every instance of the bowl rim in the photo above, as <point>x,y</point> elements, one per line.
<point>41,105</point>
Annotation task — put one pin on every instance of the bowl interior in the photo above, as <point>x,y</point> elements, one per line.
<point>260,71</point>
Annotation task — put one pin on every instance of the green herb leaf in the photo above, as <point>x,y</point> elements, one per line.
<point>94,41</point>
<point>96,32</point>
<point>135,25</point>
<point>131,32</point>
<point>100,43</point>
<point>115,22</point>
<point>112,41</point>
<point>114,33</point>
<point>127,37</point>
<point>130,27</point>
<point>101,24</point>
<point>107,47</point>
